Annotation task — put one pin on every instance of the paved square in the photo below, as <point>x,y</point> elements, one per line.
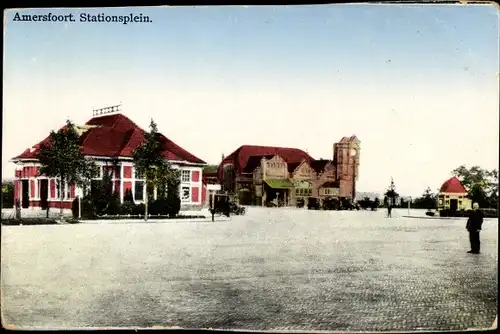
<point>272,269</point>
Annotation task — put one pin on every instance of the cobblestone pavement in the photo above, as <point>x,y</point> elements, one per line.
<point>272,269</point>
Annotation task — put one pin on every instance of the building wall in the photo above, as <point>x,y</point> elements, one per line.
<point>303,179</point>
<point>464,203</point>
<point>274,168</point>
<point>328,175</point>
<point>123,178</point>
<point>347,166</point>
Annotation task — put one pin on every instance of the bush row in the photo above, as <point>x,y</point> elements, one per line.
<point>93,208</point>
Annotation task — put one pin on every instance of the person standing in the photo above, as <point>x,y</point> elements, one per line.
<point>389,209</point>
<point>474,224</point>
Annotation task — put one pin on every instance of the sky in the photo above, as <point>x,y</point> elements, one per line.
<point>417,84</point>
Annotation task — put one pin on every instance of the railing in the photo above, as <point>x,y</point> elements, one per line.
<point>106,110</point>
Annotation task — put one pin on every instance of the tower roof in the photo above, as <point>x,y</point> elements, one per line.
<point>453,185</point>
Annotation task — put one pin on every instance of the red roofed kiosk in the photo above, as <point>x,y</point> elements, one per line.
<point>453,196</point>
<point>108,137</point>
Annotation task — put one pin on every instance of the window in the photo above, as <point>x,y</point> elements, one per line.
<point>67,193</point>
<point>97,174</point>
<point>303,191</point>
<point>38,186</point>
<point>459,202</point>
<point>186,176</point>
<point>139,191</point>
<point>185,194</point>
<point>58,183</point>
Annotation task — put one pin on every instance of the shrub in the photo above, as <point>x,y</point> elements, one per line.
<point>158,207</point>
<point>127,208</point>
<point>128,197</point>
<point>88,208</point>
<point>113,205</point>
<point>7,194</point>
<point>173,205</point>
<point>139,209</point>
<point>300,202</point>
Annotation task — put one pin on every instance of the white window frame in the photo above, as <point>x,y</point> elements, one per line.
<point>188,200</point>
<point>186,172</point>
<point>57,181</point>
<point>134,190</point>
<point>67,191</point>
<point>99,172</point>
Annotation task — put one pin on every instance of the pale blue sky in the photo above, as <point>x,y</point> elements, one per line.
<point>418,84</point>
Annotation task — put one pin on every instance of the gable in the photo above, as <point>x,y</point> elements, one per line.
<point>276,159</point>
<point>304,170</point>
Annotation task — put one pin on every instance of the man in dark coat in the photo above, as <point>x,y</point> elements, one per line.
<point>474,224</point>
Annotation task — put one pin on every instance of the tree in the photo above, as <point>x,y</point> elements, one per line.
<point>391,194</point>
<point>62,158</point>
<point>428,199</point>
<point>481,184</point>
<point>7,194</point>
<point>154,168</point>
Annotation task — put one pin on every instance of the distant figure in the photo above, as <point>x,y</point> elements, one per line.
<point>474,224</point>
<point>389,210</point>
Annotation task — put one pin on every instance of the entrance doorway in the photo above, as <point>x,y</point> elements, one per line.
<point>44,194</point>
<point>453,205</point>
<point>25,195</point>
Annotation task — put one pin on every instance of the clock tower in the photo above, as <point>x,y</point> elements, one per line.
<point>346,155</point>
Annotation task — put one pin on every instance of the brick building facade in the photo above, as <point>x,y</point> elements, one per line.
<point>110,141</point>
<point>256,175</point>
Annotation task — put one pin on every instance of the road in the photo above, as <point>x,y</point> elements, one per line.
<point>272,269</point>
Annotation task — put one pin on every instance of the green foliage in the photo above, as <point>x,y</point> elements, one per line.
<point>7,194</point>
<point>62,157</point>
<point>426,201</point>
<point>210,169</point>
<point>88,208</point>
<point>481,184</point>
<point>391,194</point>
<point>154,168</point>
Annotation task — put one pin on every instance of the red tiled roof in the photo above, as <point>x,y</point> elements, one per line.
<point>292,166</point>
<point>349,139</point>
<point>254,162</point>
<point>241,156</point>
<point>319,165</point>
<point>453,185</point>
<point>117,136</point>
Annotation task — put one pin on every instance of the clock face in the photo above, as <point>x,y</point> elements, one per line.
<point>353,152</point>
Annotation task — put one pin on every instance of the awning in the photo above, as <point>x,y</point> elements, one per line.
<point>279,183</point>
